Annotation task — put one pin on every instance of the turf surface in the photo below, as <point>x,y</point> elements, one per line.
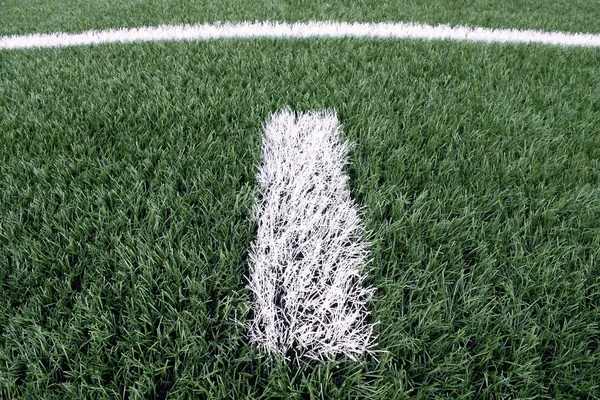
<point>127,176</point>
<point>27,16</point>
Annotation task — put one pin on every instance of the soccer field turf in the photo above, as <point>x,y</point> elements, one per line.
<point>128,176</point>
<point>26,16</point>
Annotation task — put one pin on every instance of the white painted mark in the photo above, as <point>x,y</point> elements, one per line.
<point>300,30</point>
<point>308,258</point>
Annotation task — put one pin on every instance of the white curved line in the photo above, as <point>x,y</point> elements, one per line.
<point>299,30</point>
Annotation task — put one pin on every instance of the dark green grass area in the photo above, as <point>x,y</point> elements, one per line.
<point>27,16</point>
<point>127,176</point>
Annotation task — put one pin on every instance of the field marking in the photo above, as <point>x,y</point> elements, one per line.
<point>308,258</point>
<point>299,30</point>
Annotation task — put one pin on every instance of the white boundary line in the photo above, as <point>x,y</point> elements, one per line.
<point>307,262</point>
<point>299,30</point>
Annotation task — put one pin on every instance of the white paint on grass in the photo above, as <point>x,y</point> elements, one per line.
<point>308,259</point>
<point>300,30</point>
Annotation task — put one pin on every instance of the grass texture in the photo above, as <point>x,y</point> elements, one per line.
<point>29,16</point>
<point>128,177</point>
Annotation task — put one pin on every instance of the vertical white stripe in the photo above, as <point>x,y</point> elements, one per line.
<point>308,257</point>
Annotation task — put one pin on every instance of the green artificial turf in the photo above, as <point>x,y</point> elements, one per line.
<point>27,16</point>
<point>127,179</point>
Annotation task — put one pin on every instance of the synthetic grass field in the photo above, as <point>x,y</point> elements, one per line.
<point>26,16</point>
<point>128,176</point>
